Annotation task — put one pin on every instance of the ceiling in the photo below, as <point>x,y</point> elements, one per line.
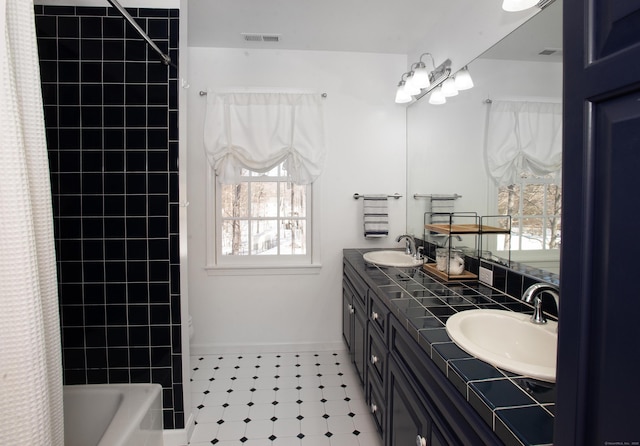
<point>541,33</point>
<point>377,26</point>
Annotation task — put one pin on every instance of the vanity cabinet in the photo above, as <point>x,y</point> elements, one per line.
<point>411,400</point>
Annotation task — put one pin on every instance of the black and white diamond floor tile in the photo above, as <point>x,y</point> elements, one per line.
<point>279,399</point>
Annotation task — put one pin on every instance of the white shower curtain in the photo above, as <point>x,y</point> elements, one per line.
<point>30,356</point>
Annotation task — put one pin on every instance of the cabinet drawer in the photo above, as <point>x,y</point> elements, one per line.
<point>378,314</point>
<point>377,402</point>
<point>377,356</point>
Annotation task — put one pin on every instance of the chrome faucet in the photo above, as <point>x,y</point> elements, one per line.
<point>445,240</point>
<point>410,246</point>
<point>533,294</point>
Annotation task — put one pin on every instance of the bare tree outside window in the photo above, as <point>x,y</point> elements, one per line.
<point>265,215</point>
<point>535,204</point>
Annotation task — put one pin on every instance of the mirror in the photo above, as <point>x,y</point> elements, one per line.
<point>446,143</point>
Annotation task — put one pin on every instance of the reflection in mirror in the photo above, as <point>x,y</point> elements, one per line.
<point>446,144</point>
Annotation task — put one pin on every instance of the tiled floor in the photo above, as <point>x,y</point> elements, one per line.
<point>279,399</point>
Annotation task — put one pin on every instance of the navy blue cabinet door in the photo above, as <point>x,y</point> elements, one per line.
<point>408,420</point>
<point>347,316</point>
<point>598,385</point>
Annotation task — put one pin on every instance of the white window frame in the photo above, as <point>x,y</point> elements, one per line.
<point>517,254</point>
<point>217,264</point>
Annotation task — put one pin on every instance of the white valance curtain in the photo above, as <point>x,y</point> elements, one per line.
<point>258,131</point>
<point>523,137</point>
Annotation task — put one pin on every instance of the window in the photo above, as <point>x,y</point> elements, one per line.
<point>535,205</point>
<point>262,221</point>
<point>257,219</point>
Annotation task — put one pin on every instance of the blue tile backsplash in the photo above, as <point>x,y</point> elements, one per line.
<point>110,109</point>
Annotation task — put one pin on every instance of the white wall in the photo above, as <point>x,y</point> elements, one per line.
<point>366,154</point>
<point>446,142</point>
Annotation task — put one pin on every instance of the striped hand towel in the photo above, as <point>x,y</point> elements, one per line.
<point>376,216</point>
<point>441,207</point>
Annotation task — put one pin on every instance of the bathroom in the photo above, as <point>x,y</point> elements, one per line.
<point>367,137</point>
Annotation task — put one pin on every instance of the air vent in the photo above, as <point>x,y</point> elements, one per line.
<point>551,52</point>
<point>252,37</point>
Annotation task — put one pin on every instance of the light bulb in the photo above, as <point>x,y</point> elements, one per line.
<point>421,76</point>
<point>437,97</point>
<point>410,87</point>
<point>401,96</point>
<point>518,5</point>
<point>463,80</point>
<point>449,88</point>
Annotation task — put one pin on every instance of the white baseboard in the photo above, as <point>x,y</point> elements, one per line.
<point>179,437</point>
<point>215,349</point>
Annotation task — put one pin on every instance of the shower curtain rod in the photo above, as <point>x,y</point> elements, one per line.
<point>165,59</point>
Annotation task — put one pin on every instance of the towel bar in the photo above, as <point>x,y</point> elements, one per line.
<point>437,197</point>
<point>204,93</point>
<point>357,196</point>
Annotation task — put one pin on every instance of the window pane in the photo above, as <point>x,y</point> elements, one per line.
<point>508,199</point>
<point>234,200</point>
<point>293,200</point>
<point>554,199</point>
<point>264,199</point>
<point>533,199</point>
<point>264,237</point>
<point>271,173</point>
<point>263,216</point>
<point>235,237</point>
<point>532,233</point>
<point>553,231</point>
<point>294,238</point>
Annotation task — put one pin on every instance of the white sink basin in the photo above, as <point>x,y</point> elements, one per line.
<point>391,258</point>
<point>507,340</point>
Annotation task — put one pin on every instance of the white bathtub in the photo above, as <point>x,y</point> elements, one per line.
<point>113,415</point>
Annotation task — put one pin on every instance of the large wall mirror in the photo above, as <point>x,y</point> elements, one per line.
<point>446,143</point>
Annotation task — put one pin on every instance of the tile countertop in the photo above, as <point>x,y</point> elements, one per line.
<point>520,410</point>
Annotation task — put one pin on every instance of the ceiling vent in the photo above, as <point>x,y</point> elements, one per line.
<point>253,37</point>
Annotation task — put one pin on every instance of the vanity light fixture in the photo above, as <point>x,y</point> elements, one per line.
<point>463,79</point>
<point>419,81</point>
<point>518,5</point>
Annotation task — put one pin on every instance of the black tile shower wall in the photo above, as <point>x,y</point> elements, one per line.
<point>111,114</point>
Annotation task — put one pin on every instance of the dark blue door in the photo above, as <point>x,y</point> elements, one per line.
<point>598,393</point>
